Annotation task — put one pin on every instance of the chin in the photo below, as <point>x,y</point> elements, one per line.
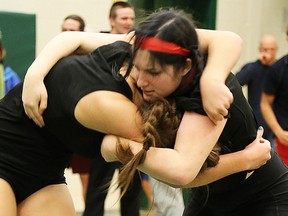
<point>148,98</point>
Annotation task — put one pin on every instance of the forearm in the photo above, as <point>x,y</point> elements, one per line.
<point>168,166</point>
<point>268,114</point>
<point>223,48</point>
<point>271,119</point>
<point>175,170</point>
<point>228,164</point>
<point>67,43</point>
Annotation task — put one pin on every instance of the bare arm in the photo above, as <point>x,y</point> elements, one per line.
<point>110,113</point>
<point>217,43</point>
<point>224,49</point>
<point>252,157</point>
<point>181,165</point>
<point>34,92</point>
<point>270,118</point>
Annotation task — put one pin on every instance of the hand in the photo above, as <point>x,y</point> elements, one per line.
<point>283,137</point>
<point>108,148</point>
<point>216,98</point>
<point>34,97</point>
<point>258,152</point>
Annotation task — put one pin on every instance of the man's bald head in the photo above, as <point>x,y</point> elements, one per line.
<point>268,48</point>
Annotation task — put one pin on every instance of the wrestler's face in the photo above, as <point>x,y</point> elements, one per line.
<point>155,81</point>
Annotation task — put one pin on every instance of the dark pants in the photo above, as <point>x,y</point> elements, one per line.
<point>100,176</point>
<point>264,193</point>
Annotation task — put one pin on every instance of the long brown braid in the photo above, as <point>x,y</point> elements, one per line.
<point>161,120</point>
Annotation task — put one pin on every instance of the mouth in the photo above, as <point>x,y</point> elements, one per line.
<point>148,93</point>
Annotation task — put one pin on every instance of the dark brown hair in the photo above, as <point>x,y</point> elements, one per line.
<point>117,5</point>
<point>161,120</point>
<point>77,18</point>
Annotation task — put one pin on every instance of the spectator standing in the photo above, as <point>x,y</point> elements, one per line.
<point>8,77</point>
<point>79,164</point>
<point>253,75</point>
<point>121,17</point>
<point>122,20</point>
<point>73,22</point>
<point>274,104</point>
<point>168,201</point>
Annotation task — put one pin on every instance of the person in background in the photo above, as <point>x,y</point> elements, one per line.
<point>168,201</point>
<point>274,103</point>
<point>253,75</point>
<point>8,77</point>
<point>146,185</point>
<point>73,22</point>
<point>79,164</point>
<point>122,20</point>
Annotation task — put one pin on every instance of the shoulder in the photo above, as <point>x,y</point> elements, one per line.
<point>9,73</point>
<point>282,62</point>
<point>250,66</point>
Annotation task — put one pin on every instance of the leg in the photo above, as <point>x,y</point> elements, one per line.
<point>145,181</point>
<point>51,200</point>
<point>168,200</point>
<point>84,177</point>
<point>82,166</point>
<point>8,206</point>
<point>130,202</point>
<point>100,176</point>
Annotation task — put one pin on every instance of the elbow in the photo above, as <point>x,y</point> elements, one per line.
<point>181,180</point>
<point>237,41</point>
<point>235,38</point>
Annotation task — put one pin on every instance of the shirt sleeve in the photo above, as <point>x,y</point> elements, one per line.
<point>11,79</point>
<point>272,81</point>
<point>244,75</point>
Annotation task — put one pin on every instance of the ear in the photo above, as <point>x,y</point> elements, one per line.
<point>111,20</point>
<point>2,54</point>
<point>187,66</point>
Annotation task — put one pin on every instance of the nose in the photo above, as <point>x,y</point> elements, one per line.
<point>130,22</point>
<point>142,80</point>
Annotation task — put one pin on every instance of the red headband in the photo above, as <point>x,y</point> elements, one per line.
<point>158,45</point>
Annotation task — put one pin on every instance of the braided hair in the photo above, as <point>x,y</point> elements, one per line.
<point>161,120</point>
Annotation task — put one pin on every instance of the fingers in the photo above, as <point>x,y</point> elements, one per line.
<point>219,116</point>
<point>260,132</point>
<point>35,113</point>
<point>36,117</point>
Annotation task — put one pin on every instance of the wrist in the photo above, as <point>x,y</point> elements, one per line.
<point>212,77</point>
<point>135,147</point>
<point>243,160</point>
<point>34,74</point>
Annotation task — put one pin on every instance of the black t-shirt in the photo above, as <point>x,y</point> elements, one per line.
<point>239,131</point>
<point>276,84</point>
<point>46,151</point>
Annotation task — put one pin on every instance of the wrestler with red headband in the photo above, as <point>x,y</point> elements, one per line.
<point>165,56</point>
<point>88,99</point>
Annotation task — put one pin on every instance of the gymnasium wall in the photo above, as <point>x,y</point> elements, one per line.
<point>249,19</point>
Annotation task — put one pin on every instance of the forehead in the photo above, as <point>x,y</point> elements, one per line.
<point>125,12</point>
<point>71,25</point>
<point>143,57</point>
<point>143,60</point>
<point>268,43</point>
